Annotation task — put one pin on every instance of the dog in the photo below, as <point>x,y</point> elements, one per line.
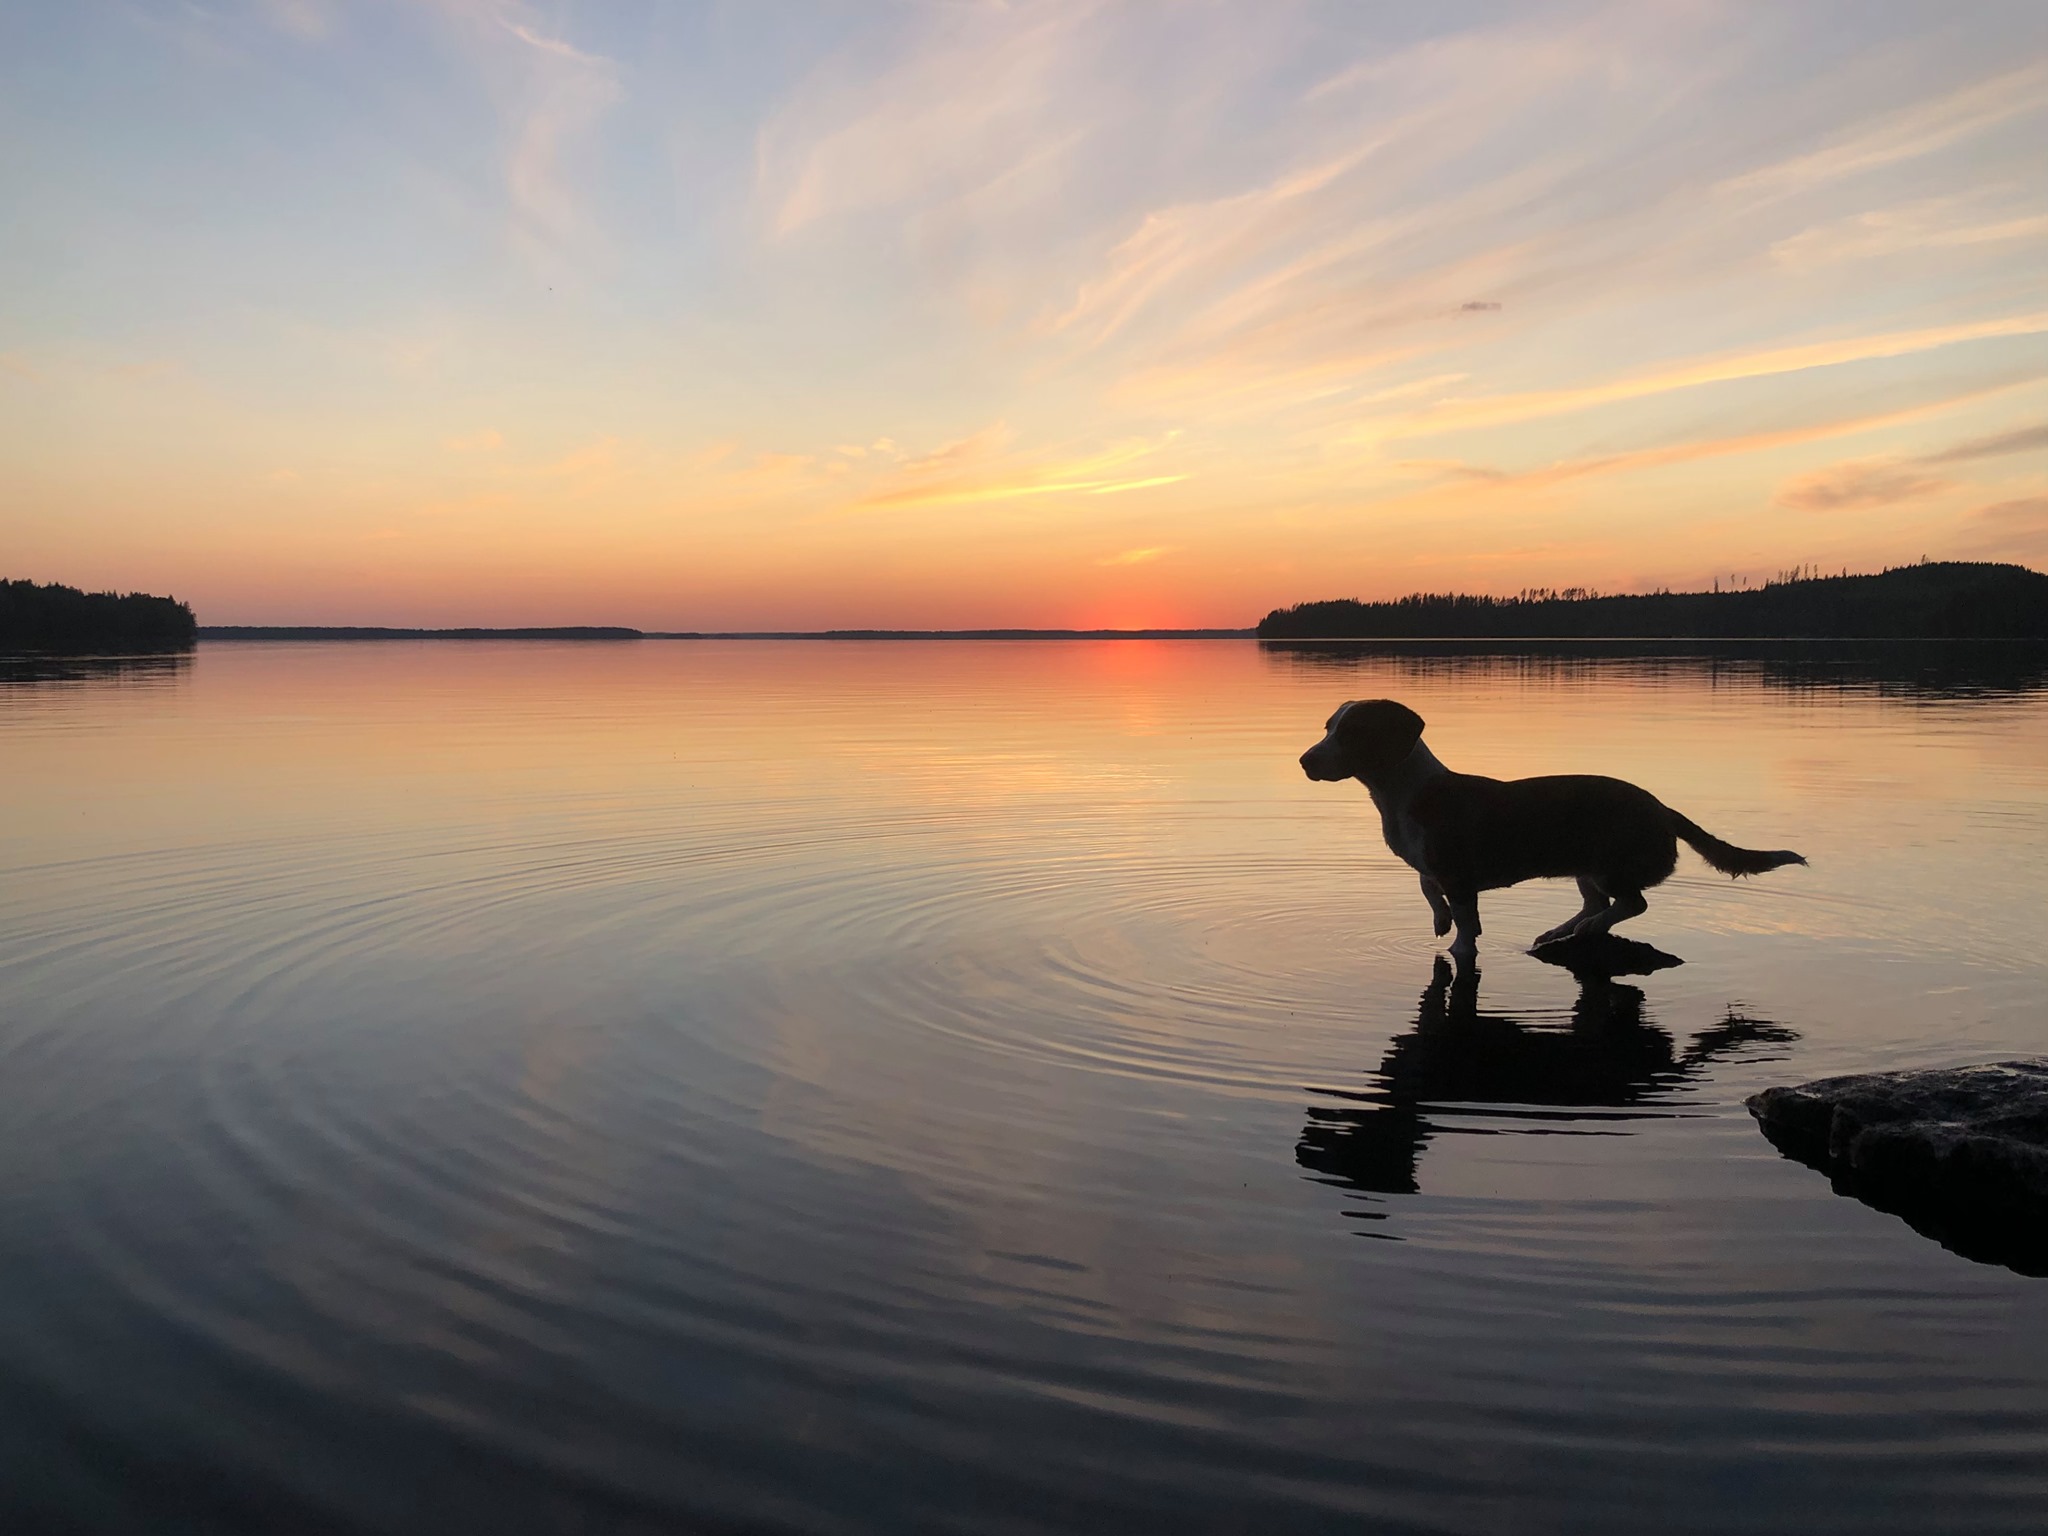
<point>1464,834</point>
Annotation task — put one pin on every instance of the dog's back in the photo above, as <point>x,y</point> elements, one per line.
<point>1486,833</point>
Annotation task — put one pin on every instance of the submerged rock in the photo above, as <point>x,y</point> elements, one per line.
<point>1961,1153</point>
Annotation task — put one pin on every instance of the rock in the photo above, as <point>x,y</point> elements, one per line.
<point>1604,955</point>
<point>1961,1153</point>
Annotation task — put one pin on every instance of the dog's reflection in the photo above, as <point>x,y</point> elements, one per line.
<point>1608,1064</point>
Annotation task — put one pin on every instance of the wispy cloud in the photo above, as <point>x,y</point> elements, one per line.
<point>534,171</point>
<point>1694,450</point>
<point>1500,410</point>
<point>2020,440</point>
<point>1173,244</point>
<point>966,450</point>
<point>586,467</point>
<point>561,48</point>
<point>1905,134</point>
<point>979,469</point>
<point>960,492</point>
<point>1946,223</point>
<point>1137,556</point>
<point>553,92</point>
<point>1884,481</point>
<point>966,103</point>
<point>1847,487</point>
<point>1118,487</point>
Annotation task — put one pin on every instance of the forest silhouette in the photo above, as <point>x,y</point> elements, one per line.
<point>1950,599</point>
<point>63,620</point>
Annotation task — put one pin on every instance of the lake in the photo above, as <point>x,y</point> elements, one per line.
<point>872,1087</point>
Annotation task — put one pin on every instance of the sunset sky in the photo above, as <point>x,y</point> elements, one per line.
<point>937,312</point>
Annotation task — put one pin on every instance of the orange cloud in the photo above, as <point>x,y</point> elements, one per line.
<point>980,445</point>
<point>1881,482</point>
<point>956,491</point>
<point>1137,556</point>
<point>1005,480</point>
<point>1870,483</point>
<point>1716,447</point>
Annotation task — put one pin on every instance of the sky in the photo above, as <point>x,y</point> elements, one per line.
<point>936,313</point>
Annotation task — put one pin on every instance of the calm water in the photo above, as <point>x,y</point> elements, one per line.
<point>983,1087</point>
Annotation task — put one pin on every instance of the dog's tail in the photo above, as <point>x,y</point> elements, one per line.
<point>1726,857</point>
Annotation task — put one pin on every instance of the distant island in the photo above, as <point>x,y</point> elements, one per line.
<point>60,620</point>
<point>378,632</point>
<point>614,632</point>
<point>1950,599</point>
<point>958,634</point>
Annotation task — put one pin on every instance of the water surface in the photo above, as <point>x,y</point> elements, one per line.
<point>981,1087</point>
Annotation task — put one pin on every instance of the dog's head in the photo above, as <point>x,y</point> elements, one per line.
<point>1364,738</point>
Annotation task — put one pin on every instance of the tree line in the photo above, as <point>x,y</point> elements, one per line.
<point>1950,599</point>
<point>63,620</point>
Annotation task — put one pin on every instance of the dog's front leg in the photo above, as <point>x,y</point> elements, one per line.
<point>1439,909</point>
<point>1465,913</point>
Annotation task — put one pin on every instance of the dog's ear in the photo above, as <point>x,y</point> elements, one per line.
<point>1380,732</point>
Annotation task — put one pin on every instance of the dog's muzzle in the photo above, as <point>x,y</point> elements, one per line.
<point>1315,762</point>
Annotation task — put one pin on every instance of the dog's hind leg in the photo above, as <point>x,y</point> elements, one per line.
<point>1592,902</point>
<point>1439,909</point>
<point>1627,904</point>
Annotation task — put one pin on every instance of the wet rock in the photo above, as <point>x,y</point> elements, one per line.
<point>1961,1153</point>
<point>1604,955</point>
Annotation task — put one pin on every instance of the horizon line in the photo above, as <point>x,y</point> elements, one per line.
<point>601,632</point>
